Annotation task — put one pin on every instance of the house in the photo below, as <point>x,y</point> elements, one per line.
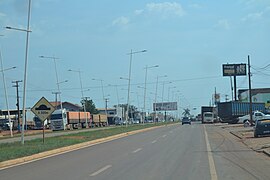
<point>67,105</point>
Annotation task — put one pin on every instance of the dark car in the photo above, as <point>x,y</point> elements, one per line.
<point>186,120</point>
<point>262,127</point>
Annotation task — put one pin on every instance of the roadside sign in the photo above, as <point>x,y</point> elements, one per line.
<point>234,69</point>
<point>165,106</point>
<point>43,109</point>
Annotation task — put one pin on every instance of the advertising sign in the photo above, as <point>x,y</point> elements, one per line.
<point>234,70</point>
<point>165,106</point>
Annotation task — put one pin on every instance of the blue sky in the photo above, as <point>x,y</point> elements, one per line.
<point>189,40</point>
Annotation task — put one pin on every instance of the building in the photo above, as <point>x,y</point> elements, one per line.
<point>67,105</point>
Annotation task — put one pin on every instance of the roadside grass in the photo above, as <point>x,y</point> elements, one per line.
<point>15,150</point>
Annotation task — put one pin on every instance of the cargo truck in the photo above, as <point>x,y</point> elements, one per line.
<point>69,119</point>
<point>99,120</point>
<point>230,111</point>
<point>205,109</point>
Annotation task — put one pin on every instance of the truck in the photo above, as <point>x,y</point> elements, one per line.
<point>60,120</point>
<point>229,112</point>
<point>256,115</point>
<point>99,120</point>
<point>208,117</point>
<point>205,109</point>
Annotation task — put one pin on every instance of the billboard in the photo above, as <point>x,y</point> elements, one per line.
<point>165,106</point>
<point>234,69</point>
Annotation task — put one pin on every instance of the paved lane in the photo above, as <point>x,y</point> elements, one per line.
<point>171,152</point>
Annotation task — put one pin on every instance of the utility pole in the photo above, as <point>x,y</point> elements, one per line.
<point>106,108</point>
<point>85,99</point>
<point>56,94</point>
<point>18,104</point>
<point>250,93</point>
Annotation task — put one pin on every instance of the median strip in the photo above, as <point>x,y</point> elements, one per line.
<point>45,154</point>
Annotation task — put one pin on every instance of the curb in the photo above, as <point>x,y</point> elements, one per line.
<point>62,150</point>
<point>236,135</point>
<point>266,152</point>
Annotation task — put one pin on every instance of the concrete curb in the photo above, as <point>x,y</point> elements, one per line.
<point>267,152</point>
<point>54,152</point>
<point>236,135</point>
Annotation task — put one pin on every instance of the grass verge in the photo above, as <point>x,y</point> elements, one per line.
<point>15,150</point>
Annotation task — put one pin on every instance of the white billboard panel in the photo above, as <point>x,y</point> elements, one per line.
<point>165,106</point>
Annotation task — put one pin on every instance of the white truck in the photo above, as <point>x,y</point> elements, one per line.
<point>208,117</point>
<point>256,115</point>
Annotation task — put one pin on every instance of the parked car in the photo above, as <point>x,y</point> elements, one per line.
<point>119,121</point>
<point>256,115</point>
<point>135,121</point>
<point>262,127</point>
<point>186,120</point>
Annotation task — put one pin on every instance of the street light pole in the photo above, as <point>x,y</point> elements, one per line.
<point>156,96</point>
<point>79,72</point>
<point>58,86</point>
<point>103,97</point>
<point>6,94</point>
<point>25,67</point>
<point>130,63</point>
<point>145,80</point>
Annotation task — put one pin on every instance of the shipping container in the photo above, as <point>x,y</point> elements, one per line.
<point>230,111</point>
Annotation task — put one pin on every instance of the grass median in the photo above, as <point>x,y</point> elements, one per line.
<point>15,150</point>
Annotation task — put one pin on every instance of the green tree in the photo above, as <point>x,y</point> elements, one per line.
<point>90,106</point>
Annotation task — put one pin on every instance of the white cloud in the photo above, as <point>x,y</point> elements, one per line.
<point>2,15</point>
<point>121,21</point>
<point>138,12</point>
<point>224,24</point>
<point>166,9</point>
<point>257,15</point>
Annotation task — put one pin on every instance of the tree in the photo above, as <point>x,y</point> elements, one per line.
<point>89,106</point>
<point>186,112</point>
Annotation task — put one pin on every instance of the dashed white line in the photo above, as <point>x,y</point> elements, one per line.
<point>137,150</point>
<point>164,135</point>
<point>154,141</point>
<point>101,170</point>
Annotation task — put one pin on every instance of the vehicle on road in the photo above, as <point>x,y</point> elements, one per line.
<point>186,120</point>
<point>229,112</point>
<point>208,117</point>
<point>262,127</point>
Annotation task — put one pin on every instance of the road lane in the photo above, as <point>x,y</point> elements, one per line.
<point>171,152</point>
<point>159,160</point>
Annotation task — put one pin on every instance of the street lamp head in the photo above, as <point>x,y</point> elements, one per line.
<point>41,56</point>
<point>8,27</point>
<point>144,50</point>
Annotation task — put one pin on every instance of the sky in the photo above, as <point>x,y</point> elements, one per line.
<point>189,40</point>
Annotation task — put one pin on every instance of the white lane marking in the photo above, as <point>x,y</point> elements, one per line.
<point>164,135</point>
<point>101,170</point>
<point>154,141</point>
<point>137,150</point>
<point>212,166</point>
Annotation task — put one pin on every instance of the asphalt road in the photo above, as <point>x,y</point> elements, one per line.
<point>172,152</point>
